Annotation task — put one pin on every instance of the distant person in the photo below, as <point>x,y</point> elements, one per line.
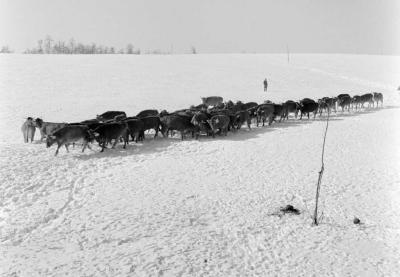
<point>265,84</point>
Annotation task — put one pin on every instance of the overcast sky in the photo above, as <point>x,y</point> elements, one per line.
<point>212,26</point>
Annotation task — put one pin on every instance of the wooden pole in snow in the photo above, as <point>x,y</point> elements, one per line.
<point>321,172</point>
<point>287,51</point>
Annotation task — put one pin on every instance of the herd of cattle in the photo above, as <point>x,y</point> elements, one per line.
<point>211,117</point>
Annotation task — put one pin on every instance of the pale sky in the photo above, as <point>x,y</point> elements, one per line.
<point>212,26</point>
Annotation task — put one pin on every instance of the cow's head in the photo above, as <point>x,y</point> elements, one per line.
<point>50,141</point>
<point>38,122</point>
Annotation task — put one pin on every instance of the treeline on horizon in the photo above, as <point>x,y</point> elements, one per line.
<point>50,46</point>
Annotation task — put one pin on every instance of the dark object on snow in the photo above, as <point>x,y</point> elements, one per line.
<point>289,209</point>
<point>356,220</point>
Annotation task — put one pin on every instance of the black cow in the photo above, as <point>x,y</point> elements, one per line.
<point>323,106</point>
<point>135,129</point>
<point>147,113</point>
<point>308,106</point>
<point>242,117</point>
<point>226,112</point>
<point>70,134</point>
<point>111,131</point>
<point>219,123</point>
<point>367,98</point>
<point>279,111</point>
<point>151,122</point>
<point>176,122</point>
<point>199,120</point>
<point>344,101</point>
<point>109,115</point>
<point>378,97</point>
<point>290,107</point>
<point>356,102</point>
<point>249,105</point>
<point>331,103</point>
<point>265,111</point>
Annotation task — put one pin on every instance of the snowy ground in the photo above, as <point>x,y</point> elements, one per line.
<point>199,207</point>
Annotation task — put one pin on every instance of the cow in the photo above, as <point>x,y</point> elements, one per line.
<point>265,111</point>
<point>290,107</point>
<point>367,98</point>
<point>330,102</point>
<point>279,111</point>
<point>343,95</point>
<point>308,106</point>
<point>219,122</point>
<point>249,105</point>
<point>135,129</point>
<point>151,122</point>
<point>344,101</point>
<point>226,112</point>
<point>199,120</point>
<point>356,101</point>
<point>147,113</point>
<point>89,121</point>
<point>70,134</point>
<point>176,122</point>
<point>378,97</point>
<point>109,115</point>
<point>201,107</point>
<point>323,106</point>
<point>212,100</point>
<point>106,133</point>
<point>28,129</point>
<point>47,128</point>
<point>242,117</point>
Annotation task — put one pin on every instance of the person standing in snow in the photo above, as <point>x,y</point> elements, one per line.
<point>265,84</point>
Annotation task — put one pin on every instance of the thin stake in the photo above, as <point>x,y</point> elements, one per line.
<point>321,172</point>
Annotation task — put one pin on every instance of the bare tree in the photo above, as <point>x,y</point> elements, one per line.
<point>48,44</point>
<point>5,50</point>
<point>129,48</point>
<point>40,46</point>
<point>321,172</point>
<point>71,46</point>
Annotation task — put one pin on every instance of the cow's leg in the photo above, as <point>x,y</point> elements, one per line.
<point>125,141</point>
<point>85,143</point>
<point>156,129</point>
<point>66,147</point>
<point>58,147</point>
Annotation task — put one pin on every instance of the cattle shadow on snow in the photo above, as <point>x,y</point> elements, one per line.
<point>148,146</point>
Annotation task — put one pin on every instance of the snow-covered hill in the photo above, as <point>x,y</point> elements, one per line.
<point>199,207</point>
